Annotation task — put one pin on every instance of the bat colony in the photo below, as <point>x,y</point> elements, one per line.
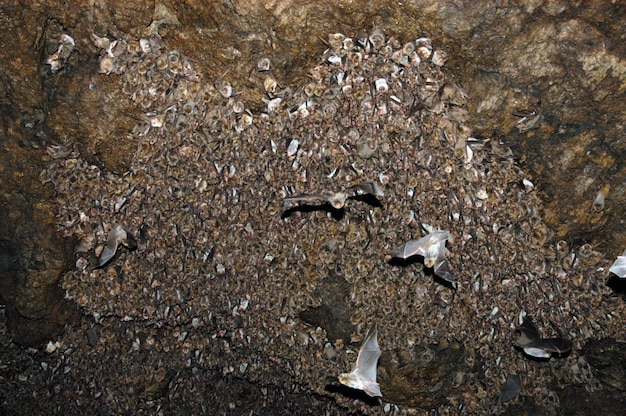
<point>432,248</point>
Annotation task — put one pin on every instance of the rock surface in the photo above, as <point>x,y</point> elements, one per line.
<point>533,83</point>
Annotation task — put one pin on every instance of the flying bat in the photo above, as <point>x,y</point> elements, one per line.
<point>619,266</point>
<point>338,199</point>
<point>545,347</point>
<point>363,377</point>
<point>118,235</point>
<point>433,248</point>
<point>533,345</point>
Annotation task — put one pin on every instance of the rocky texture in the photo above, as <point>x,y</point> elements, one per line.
<point>508,58</point>
<point>33,254</point>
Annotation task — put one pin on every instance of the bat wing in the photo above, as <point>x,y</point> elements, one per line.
<point>431,246</point>
<point>411,248</point>
<point>527,333</point>
<point>363,188</point>
<point>544,348</point>
<point>442,269</point>
<point>511,388</point>
<point>619,266</point>
<point>559,346</point>
<point>536,352</point>
<point>306,198</point>
<point>118,235</point>
<point>109,249</point>
<point>368,356</point>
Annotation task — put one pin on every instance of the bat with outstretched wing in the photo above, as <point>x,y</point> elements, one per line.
<point>363,377</point>
<point>433,248</point>
<point>338,199</point>
<point>535,346</point>
<point>118,235</point>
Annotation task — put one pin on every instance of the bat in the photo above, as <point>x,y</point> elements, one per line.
<point>363,377</point>
<point>533,345</point>
<point>118,235</point>
<point>511,388</point>
<point>545,347</point>
<point>433,248</point>
<point>619,266</point>
<point>338,199</point>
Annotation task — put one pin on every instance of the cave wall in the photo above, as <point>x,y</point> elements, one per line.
<point>560,62</point>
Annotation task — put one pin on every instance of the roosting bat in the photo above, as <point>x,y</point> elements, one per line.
<point>619,266</point>
<point>433,248</point>
<point>363,377</point>
<point>338,199</point>
<point>533,345</point>
<point>118,235</point>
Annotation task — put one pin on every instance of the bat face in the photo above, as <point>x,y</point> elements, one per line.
<point>337,200</point>
<point>619,266</point>
<point>363,377</point>
<point>118,235</point>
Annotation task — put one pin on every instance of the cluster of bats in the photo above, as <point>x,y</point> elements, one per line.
<point>432,248</point>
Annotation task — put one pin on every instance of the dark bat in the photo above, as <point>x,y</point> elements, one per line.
<point>511,388</point>
<point>118,235</point>
<point>363,377</point>
<point>338,199</point>
<point>619,266</point>
<point>433,248</point>
<point>535,346</point>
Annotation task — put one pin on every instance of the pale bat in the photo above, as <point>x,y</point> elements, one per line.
<point>433,248</point>
<point>338,199</point>
<point>363,377</point>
